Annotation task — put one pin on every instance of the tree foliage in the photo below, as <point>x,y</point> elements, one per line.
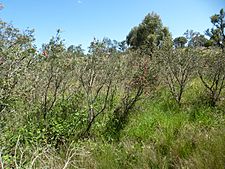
<point>217,33</point>
<point>180,42</point>
<point>148,35</point>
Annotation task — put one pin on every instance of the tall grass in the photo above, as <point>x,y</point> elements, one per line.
<point>160,134</point>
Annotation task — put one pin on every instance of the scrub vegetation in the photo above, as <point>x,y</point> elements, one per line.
<point>147,102</point>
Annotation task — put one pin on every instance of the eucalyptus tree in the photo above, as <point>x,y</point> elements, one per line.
<point>195,39</point>
<point>148,35</point>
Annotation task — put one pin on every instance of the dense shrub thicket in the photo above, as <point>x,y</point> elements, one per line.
<point>157,103</point>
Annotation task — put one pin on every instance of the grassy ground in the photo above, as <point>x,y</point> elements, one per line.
<point>160,134</point>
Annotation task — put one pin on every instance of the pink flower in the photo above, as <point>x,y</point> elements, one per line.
<point>45,54</point>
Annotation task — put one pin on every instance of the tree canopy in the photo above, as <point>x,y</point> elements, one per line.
<point>217,33</point>
<point>180,41</point>
<point>150,33</point>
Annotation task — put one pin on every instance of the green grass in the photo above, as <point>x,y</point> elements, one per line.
<point>160,134</point>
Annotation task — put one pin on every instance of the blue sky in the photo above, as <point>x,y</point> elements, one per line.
<point>82,20</point>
